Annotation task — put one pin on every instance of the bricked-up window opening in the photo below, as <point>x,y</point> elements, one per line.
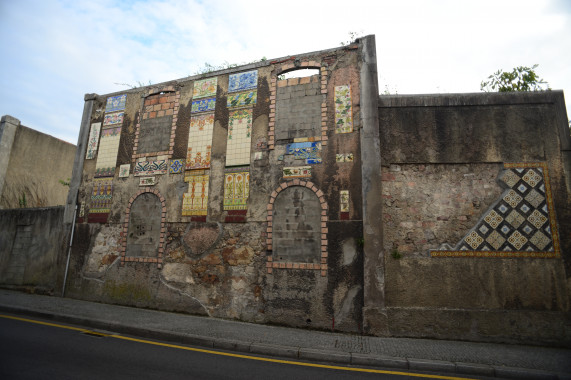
<point>297,226</point>
<point>144,232</point>
<point>298,105</point>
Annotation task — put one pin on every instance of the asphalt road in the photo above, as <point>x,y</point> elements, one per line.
<point>53,351</point>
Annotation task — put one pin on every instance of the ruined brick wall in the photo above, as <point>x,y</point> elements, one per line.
<point>476,216</point>
<point>232,194</point>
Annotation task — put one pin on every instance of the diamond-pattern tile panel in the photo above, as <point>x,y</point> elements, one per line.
<point>519,224</point>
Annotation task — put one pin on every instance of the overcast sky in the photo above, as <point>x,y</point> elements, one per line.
<point>55,51</point>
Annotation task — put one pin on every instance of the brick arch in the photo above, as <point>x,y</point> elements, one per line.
<point>271,265</point>
<point>160,251</point>
<point>288,66</point>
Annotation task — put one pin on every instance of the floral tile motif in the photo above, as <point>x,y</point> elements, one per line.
<point>113,119</point>
<point>124,170</point>
<point>344,201</point>
<point>107,154</point>
<point>195,200</point>
<point>146,168</point>
<point>308,151</point>
<point>176,166</point>
<point>297,171</point>
<point>527,227</point>
<point>101,195</point>
<point>203,105</point>
<point>204,88</point>
<point>243,81</point>
<point>116,103</point>
<point>236,190</point>
<point>93,141</point>
<point>242,99</point>
<point>239,137</point>
<point>199,141</point>
<point>147,181</point>
<point>343,110</point>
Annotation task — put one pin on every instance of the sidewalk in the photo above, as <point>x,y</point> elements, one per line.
<point>454,357</point>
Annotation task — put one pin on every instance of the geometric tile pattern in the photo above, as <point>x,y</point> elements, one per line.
<point>116,103</point>
<point>199,141</point>
<point>243,81</point>
<point>107,156</point>
<point>520,224</point>
<point>93,141</point>
<point>239,137</point>
<point>176,166</point>
<point>204,88</point>
<point>309,151</point>
<point>146,168</point>
<point>343,110</point>
<point>236,190</point>
<point>195,201</point>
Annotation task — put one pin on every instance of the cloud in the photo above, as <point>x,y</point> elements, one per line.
<point>56,51</point>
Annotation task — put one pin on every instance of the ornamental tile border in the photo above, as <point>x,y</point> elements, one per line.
<point>521,224</point>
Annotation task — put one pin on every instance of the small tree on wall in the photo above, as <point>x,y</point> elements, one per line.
<point>521,78</point>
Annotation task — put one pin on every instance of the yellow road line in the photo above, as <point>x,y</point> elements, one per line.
<point>239,355</point>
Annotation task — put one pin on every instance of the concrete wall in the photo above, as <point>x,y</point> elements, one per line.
<point>32,247</point>
<point>32,163</point>
<point>445,159</point>
<point>212,214</point>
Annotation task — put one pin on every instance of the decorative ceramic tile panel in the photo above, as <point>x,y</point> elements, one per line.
<point>113,120</point>
<point>107,155</point>
<point>101,196</point>
<point>147,181</point>
<point>242,99</point>
<point>93,141</point>
<point>239,137</point>
<point>243,81</point>
<point>195,201</point>
<point>344,157</point>
<point>124,170</point>
<point>343,110</point>
<point>116,103</point>
<point>344,201</point>
<point>204,88</point>
<point>236,190</point>
<point>176,166</point>
<point>146,168</point>
<point>297,171</point>
<point>520,224</point>
<point>308,151</point>
<point>199,141</point>
<point>203,105</point>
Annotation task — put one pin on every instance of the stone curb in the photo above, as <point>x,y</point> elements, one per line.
<point>328,356</point>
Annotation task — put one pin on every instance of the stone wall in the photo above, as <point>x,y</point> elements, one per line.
<point>32,248</point>
<point>476,216</point>
<point>200,195</point>
<point>31,166</point>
